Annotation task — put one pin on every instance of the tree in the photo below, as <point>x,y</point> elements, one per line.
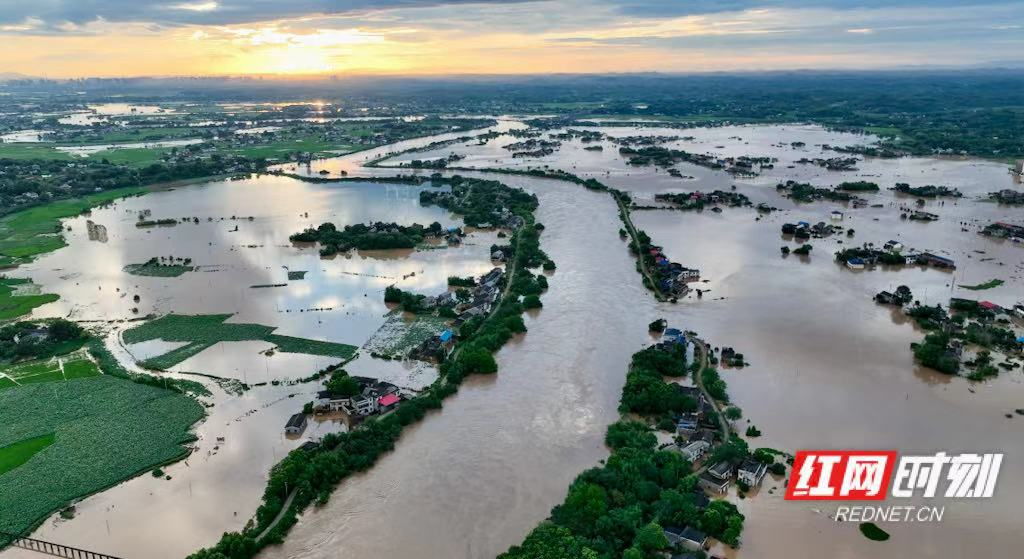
<point>477,360</point>
<point>584,505</point>
<point>630,434</point>
<point>532,302</point>
<point>343,385</point>
<point>549,541</point>
<point>63,330</point>
<point>650,538</point>
<point>904,294</point>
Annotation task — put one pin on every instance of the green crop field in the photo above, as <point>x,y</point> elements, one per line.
<point>66,440</point>
<point>14,304</point>
<point>55,369</point>
<point>205,330</point>
<point>14,455</point>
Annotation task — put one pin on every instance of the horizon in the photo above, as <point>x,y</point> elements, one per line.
<point>229,38</point>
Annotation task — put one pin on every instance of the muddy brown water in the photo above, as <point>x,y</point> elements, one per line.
<point>829,368</point>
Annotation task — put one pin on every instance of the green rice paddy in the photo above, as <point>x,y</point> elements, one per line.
<point>203,331</point>
<point>55,369</point>
<point>65,440</point>
<point>16,454</point>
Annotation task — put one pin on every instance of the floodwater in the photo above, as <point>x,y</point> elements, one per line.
<point>340,300</point>
<point>829,368</point>
<point>87,150</point>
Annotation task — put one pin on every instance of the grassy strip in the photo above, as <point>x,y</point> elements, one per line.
<point>37,230</point>
<point>110,366</point>
<point>204,330</point>
<point>987,285</point>
<point>311,476</point>
<point>14,455</point>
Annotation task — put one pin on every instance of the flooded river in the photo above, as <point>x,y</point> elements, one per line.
<point>829,367</point>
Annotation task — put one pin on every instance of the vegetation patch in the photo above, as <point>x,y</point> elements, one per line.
<point>14,455</point>
<point>202,331</point>
<point>155,268</point>
<point>987,285</point>
<point>14,304</point>
<point>399,335</point>
<point>872,532</point>
<point>105,430</point>
<point>37,230</point>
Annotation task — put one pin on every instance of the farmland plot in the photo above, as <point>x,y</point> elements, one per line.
<point>104,430</point>
<point>203,331</point>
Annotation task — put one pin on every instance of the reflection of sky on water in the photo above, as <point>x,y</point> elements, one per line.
<point>340,299</point>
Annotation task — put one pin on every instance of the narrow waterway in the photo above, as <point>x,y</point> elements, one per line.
<point>472,479</point>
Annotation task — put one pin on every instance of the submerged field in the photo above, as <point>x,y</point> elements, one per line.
<point>15,302</point>
<point>203,331</point>
<point>65,440</point>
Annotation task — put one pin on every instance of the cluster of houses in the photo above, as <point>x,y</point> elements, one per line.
<point>672,277</point>
<point>892,252</point>
<point>482,298</point>
<point>1007,196</point>
<point>1004,230</point>
<point>720,476</point>
<point>804,230</point>
<point>375,397</point>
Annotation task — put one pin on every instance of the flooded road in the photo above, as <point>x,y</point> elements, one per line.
<point>829,367</point>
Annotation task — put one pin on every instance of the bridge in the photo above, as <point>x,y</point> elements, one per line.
<point>49,548</point>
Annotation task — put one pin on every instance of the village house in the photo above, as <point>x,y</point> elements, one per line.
<point>688,537</point>
<point>887,298</point>
<point>695,451</point>
<point>893,246</point>
<point>1002,229</point>
<point>935,260</point>
<point>752,472</point>
<point>296,424</point>
<point>718,477</point>
<point>687,424</point>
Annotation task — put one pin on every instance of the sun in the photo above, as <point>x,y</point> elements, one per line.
<point>295,59</point>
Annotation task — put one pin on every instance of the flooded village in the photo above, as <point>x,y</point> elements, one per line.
<point>804,281</point>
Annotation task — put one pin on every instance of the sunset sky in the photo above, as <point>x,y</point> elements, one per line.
<point>81,38</point>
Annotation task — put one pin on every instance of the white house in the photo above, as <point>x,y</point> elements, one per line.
<point>752,472</point>
<point>695,450</point>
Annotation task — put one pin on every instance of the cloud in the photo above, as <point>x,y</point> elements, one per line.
<point>54,13</point>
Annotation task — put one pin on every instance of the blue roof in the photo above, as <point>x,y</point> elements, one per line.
<point>672,332</point>
<point>855,260</point>
<point>446,335</point>
<point>1020,340</point>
